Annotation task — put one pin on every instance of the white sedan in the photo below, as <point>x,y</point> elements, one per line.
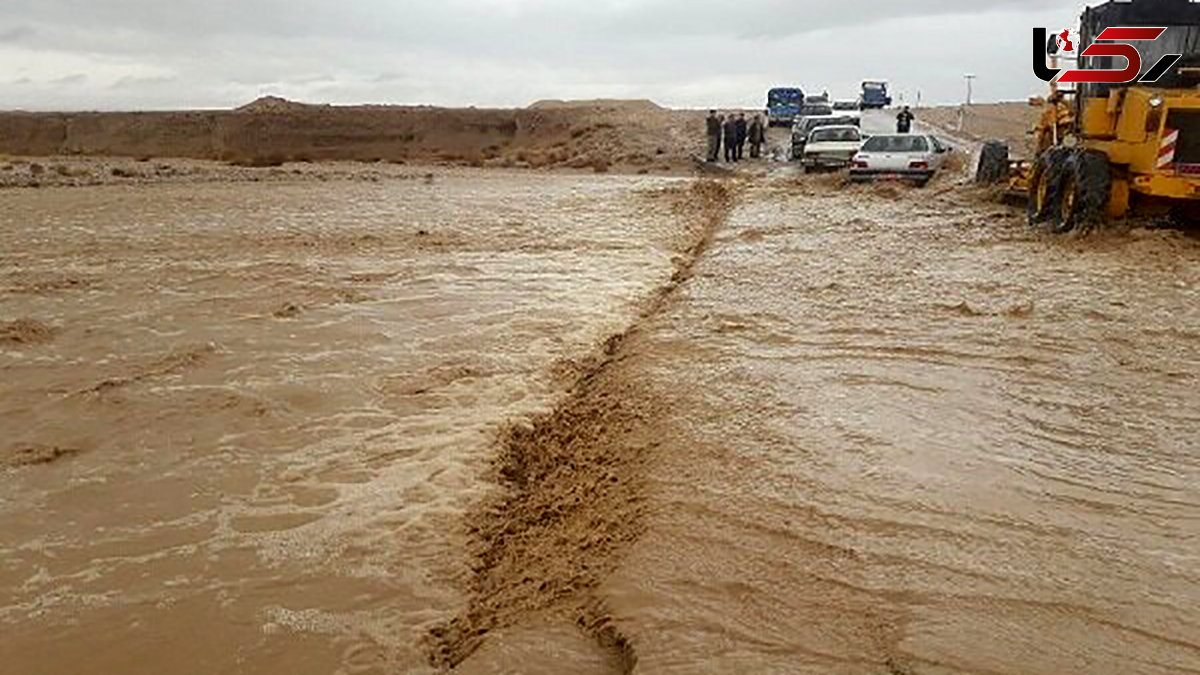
<point>913,157</point>
<point>831,147</point>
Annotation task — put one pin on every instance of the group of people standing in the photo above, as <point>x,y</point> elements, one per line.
<point>736,132</point>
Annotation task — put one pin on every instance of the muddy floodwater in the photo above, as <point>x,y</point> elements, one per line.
<point>245,439</point>
<point>909,436</point>
<point>529,423</point>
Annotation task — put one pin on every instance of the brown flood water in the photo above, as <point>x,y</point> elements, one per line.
<point>248,430</point>
<point>909,436</point>
<point>268,406</point>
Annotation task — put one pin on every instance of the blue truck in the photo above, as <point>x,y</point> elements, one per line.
<point>784,105</point>
<point>875,94</point>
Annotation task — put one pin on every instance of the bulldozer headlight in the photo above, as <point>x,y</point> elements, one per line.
<point>1156,102</point>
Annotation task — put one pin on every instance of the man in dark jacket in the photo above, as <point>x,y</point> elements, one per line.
<point>731,138</point>
<point>904,121</point>
<point>741,136</point>
<point>713,123</point>
<point>757,137</point>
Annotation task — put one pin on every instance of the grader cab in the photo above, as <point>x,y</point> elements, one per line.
<point>1105,151</point>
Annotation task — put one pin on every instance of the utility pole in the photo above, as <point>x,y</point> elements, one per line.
<point>962,110</point>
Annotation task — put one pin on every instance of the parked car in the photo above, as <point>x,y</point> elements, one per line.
<point>912,157</point>
<point>831,147</point>
<point>847,109</point>
<point>804,127</point>
<point>815,109</point>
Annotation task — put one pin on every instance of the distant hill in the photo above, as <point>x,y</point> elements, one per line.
<point>273,104</point>
<point>630,104</point>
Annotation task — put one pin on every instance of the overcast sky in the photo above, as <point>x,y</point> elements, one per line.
<point>172,54</point>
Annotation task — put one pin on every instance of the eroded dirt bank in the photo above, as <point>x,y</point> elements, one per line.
<point>586,135</point>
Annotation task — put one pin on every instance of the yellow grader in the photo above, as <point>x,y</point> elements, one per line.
<point>1107,151</point>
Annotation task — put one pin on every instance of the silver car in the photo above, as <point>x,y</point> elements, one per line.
<point>911,157</point>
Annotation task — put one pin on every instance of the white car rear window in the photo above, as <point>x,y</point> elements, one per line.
<point>833,135</point>
<point>896,144</point>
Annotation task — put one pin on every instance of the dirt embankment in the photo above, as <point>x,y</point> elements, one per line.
<point>1009,122</point>
<point>593,135</point>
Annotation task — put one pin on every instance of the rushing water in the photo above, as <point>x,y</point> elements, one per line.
<point>909,436</point>
<point>893,431</point>
<point>271,405</point>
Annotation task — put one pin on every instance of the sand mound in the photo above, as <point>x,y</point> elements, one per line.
<point>611,104</point>
<point>273,104</point>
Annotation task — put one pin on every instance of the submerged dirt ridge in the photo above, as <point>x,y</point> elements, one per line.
<point>572,498</point>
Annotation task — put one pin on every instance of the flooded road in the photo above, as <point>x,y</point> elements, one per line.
<point>907,435</point>
<point>775,426</point>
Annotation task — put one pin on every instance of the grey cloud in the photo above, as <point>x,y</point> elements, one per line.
<point>16,34</point>
<point>509,52</point>
<point>77,78</point>
<point>471,20</point>
<point>131,82</point>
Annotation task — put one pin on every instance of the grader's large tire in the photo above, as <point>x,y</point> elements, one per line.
<point>1045,185</point>
<point>1086,183</point>
<point>993,163</point>
<point>1094,176</point>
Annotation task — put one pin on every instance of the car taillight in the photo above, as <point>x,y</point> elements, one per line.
<point>918,165</point>
<point>860,164</point>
